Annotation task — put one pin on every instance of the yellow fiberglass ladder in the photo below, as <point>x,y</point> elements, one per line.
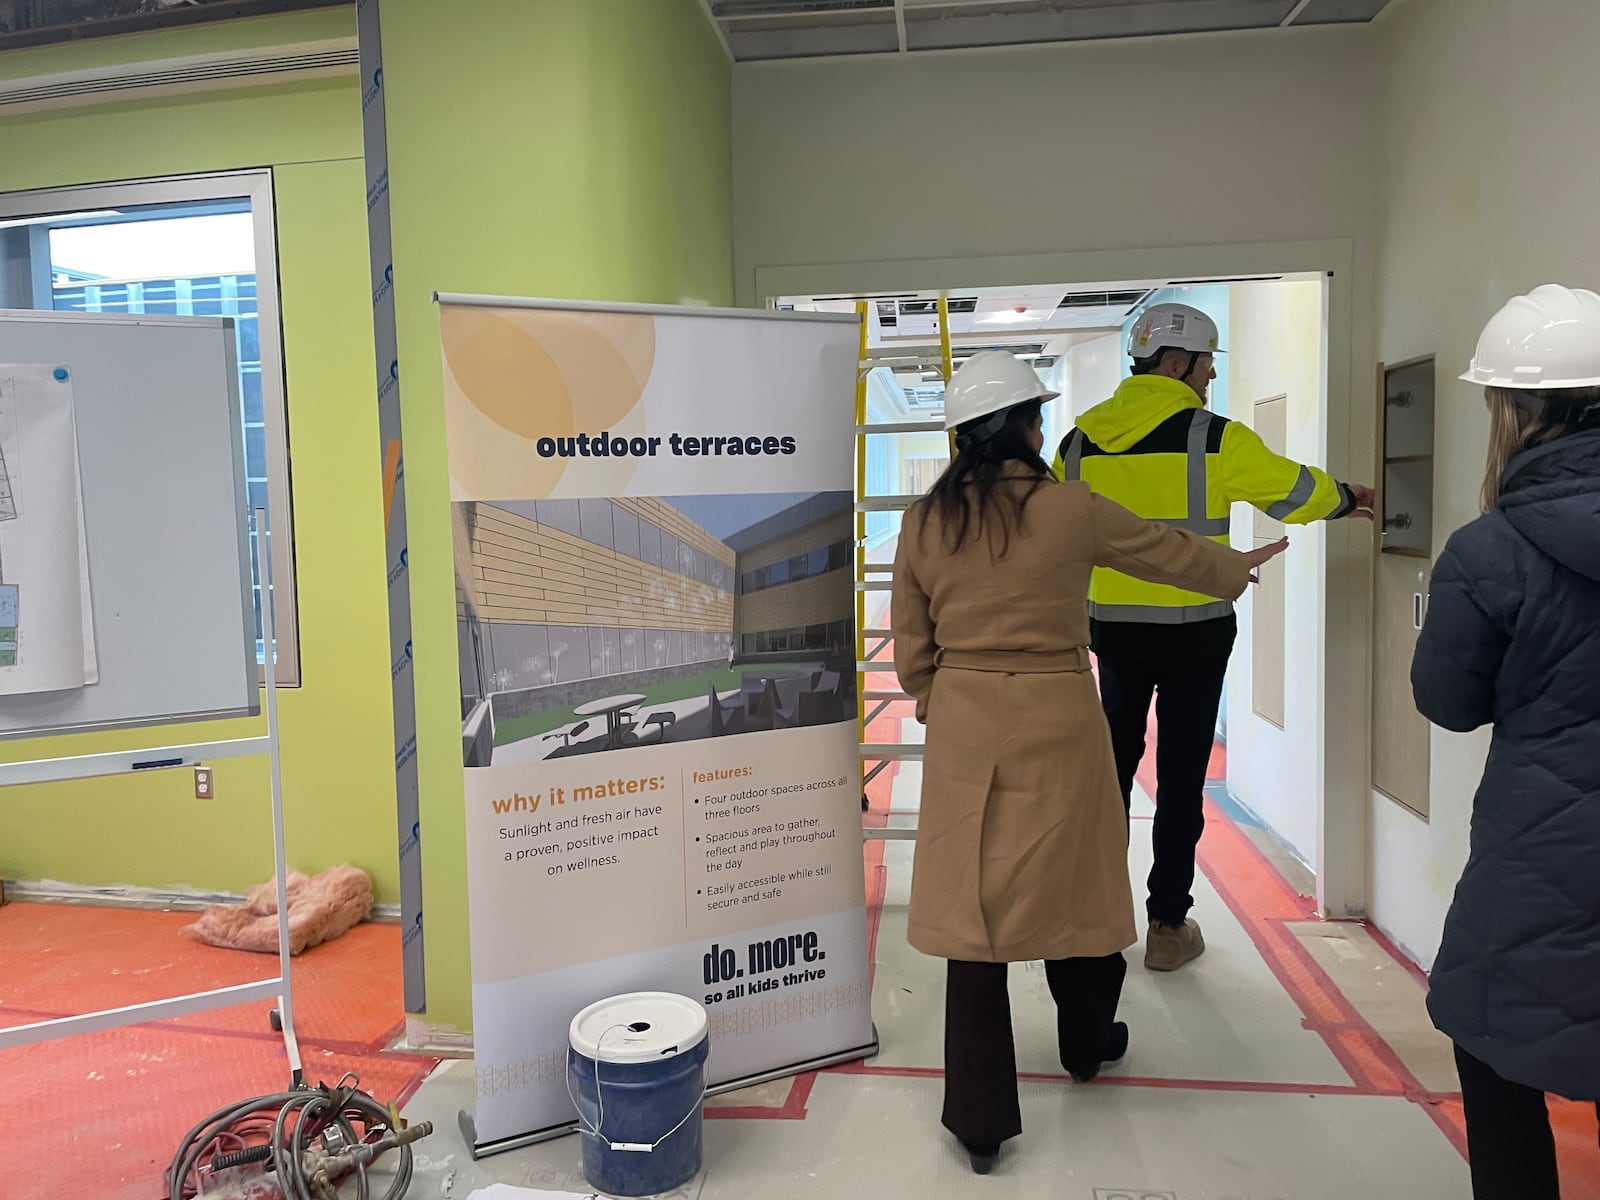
<point>874,552</point>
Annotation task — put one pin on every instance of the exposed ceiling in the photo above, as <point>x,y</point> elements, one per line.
<point>756,30</point>
<point>1035,322</point>
<point>1039,323</point>
<point>980,315</point>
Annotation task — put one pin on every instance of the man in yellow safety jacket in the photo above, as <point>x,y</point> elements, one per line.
<point>1156,449</point>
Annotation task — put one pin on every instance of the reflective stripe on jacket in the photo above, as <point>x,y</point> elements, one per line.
<point>1155,449</point>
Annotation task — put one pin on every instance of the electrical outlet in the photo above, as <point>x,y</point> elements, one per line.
<point>204,784</point>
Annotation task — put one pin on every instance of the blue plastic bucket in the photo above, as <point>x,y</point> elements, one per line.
<point>636,1069</point>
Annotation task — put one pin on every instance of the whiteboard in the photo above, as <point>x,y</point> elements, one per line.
<point>161,456</point>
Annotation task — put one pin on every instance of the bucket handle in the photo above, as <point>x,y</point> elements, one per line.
<point>600,1101</point>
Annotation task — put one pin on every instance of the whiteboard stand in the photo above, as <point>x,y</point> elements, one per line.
<point>86,766</point>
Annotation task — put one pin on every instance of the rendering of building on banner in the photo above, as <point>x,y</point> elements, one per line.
<point>594,625</point>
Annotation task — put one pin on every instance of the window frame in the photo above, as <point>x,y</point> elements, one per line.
<point>256,186</point>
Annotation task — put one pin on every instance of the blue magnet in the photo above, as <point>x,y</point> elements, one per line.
<point>61,374</point>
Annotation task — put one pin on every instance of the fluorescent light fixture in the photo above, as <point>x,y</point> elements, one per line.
<point>19,222</point>
<point>1008,317</point>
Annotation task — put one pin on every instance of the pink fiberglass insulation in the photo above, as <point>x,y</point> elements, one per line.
<point>320,909</point>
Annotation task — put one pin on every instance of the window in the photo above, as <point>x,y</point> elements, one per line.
<point>834,557</point>
<point>201,246</point>
<point>799,639</point>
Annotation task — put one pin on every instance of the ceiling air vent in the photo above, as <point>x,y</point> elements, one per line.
<point>930,308</point>
<point>1032,352</point>
<point>1122,299</point>
<point>178,75</point>
<point>1028,350</point>
<point>1234,279</point>
<point>732,9</point>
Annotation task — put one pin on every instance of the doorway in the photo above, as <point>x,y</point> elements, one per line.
<point>1275,379</point>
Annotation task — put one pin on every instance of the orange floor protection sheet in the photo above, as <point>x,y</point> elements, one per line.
<point>101,1114</point>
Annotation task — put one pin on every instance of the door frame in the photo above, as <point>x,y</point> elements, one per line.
<point>1343,753</point>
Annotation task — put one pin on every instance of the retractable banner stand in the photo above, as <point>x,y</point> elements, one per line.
<point>655,606</point>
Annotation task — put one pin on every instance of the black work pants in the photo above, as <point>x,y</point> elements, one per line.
<point>1512,1147</point>
<point>981,1105</point>
<point>1188,693</point>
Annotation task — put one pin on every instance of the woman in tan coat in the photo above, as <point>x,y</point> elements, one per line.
<point>1022,840</point>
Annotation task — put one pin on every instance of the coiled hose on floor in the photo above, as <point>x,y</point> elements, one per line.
<point>312,1140</point>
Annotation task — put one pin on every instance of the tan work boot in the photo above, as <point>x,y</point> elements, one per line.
<point>1168,948</point>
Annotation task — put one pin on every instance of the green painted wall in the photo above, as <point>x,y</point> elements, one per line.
<point>566,148</point>
<point>575,148</point>
<point>338,785</point>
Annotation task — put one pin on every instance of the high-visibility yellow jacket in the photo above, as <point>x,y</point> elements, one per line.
<point>1155,449</point>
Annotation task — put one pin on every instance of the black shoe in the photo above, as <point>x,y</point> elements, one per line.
<point>983,1158</point>
<point>1116,1051</point>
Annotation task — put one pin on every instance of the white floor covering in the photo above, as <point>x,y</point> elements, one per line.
<point>1226,1020</point>
<point>1167,1133</point>
<point>873,1136</point>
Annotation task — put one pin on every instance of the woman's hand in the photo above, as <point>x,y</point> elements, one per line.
<point>1264,554</point>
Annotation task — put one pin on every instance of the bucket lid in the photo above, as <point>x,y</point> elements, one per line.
<point>639,1027</point>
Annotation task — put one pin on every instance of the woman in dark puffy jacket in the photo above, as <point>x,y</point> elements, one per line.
<point>1512,639</point>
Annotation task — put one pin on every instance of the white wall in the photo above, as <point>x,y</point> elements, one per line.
<point>1032,149</point>
<point>1490,157</point>
<point>1275,348</point>
<point>1094,369</point>
<point>1086,373</point>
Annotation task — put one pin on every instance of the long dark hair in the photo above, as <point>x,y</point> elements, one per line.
<point>974,488</point>
<point>1513,428</point>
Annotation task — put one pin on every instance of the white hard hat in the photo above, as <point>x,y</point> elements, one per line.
<point>1548,339</point>
<point>1174,326</point>
<point>991,381</point>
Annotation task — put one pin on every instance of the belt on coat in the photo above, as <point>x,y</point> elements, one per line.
<point>1015,662</point>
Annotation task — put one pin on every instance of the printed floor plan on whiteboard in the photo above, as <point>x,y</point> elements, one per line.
<point>46,616</point>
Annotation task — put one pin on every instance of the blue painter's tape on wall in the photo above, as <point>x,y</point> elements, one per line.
<point>61,374</point>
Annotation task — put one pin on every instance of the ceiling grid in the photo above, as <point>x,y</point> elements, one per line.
<point>763,30</point>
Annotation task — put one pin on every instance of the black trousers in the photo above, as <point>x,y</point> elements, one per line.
<point>981,1106</point>
<point>1508,1136</point>
<point>1187,693</point>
